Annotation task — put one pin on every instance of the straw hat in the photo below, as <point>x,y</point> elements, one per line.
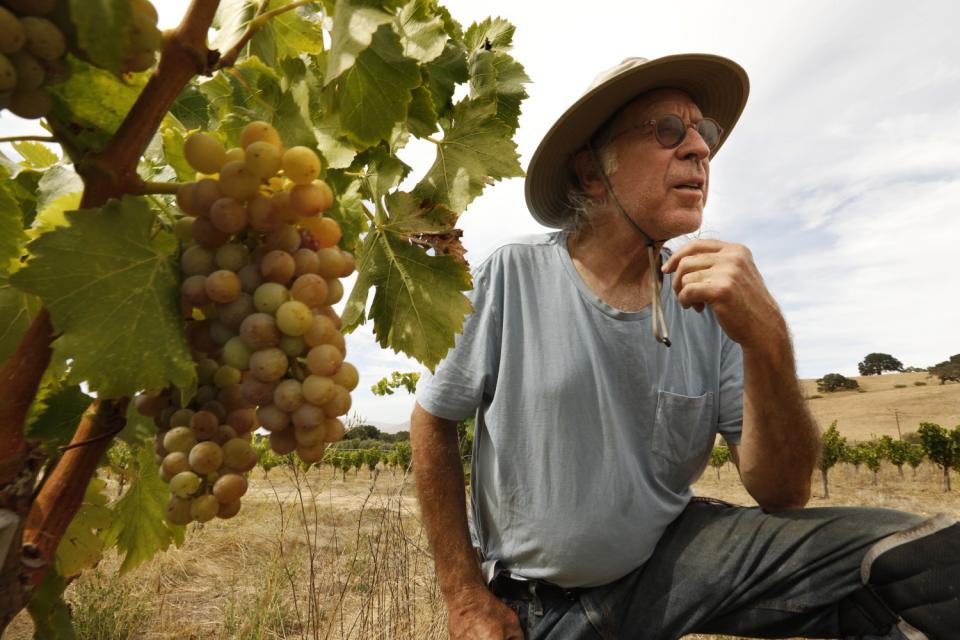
<point>719,87</point>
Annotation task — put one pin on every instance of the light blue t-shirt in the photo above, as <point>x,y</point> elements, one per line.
<point>589,433</point>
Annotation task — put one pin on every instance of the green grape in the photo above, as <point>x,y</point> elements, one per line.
<point>44,39</point>
<point>230,487</point>
<point>301,165</point>
<point>258,131</point>
<point>181,418</point>
<point>334,291</point>
<point>283,238</point>
<point>259,331</point>
<point>204,508</point>
<point>294,318</point>
<point>283,442</point>
<point>144,35</point>
<point>305,261</point>
<point>269,296</point>
<point>233,313</point>
<point>205,457</point>
<point>30,103</point>
<point>250,278</point>
<point>349,264</point>
<point>308,416</point>
<point>318,390</point>
<point>288,396</point>
<point>272,418</point>
<point>226,376</point>
<point>268,365</point>
<point>334,430</point>
<point>293,346</point>
<point>232,257</point>
<point>238,454</point>
<point>12,35</point>
<point>277,266</point>
<point>204,425</point>
<point>263,159</point>
<point>236,353</point>
<point>205,370</point>
<point>237,181</point>
<point>174,463</point>
<point>330,262</point>
<point>204,153</point>
<point>205,393</point>
<point>184,484</point>
<point>310,289</point>
<point>311,199</point>
<point>324,360</point>
<point>178,511</point>
<point>30,73</point>
<point>309,437</point>
<point>179,439</point>
<point>222,286</point>
<point>340,405</point>
<point>347,377</point>
<point>228,215</point>
<point>220,333</point>
<point>257,392</point>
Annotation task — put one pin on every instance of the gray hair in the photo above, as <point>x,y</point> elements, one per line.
<point>582,206</point>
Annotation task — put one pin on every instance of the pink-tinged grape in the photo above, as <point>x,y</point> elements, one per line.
<point>283,238</point>
<point>12,35</point>
<point>259,131</point>
<point>277,266</point>
<point>151,404</point>
<point>226,376</point>
<point>232,257</point>
<point>185,199</point>
<point>269,296</point>
<point>178,511</point>
<point>179,439</point>
<point>204,153</point>
<point>228,215</point>
<point>293,346</point>
<point>206,367</point>
<point>308,416</point>
<point>281,204</point>
<point>330,313</point>
<point>181,417</point>
<point>262,159</point>
<point>216,407</point>
<point>288,396</point>
<point>334,291</point>
<point>349,264</point>
<point>204,425</point>
<point>205,457</point>
<point>312,454</point>
<point>237,181</point>
<point>30,73</point>
<point>256,392</point>
<point>220,332</point>
<point>184,484</point>
<point>183,229</point>
<point>197,261</point>
<point>283,442</point>
<point>318,390</point>
<point>194,290</point>
<point>294,318</point>
<point>348,377</point>
<point>250,278</point>
<point>207,235</point>
<point>229,487</point>
<point>321,330</point>
<point>330,262</point>
<point>309,437</point>
<point>204,508</point>
<point>272,418</point>
<point>334,430</point>
<point>260,331</point>
<point>311,199</point>
<point>225,433</point>
<point>236,354</point>
<point>262,215</point>
<point>325,231</point>
<point>310,289</point>
<point>233,313</point>
<point>238,453</point>
<point>44,39</point>
<point>228,510</point>
<point>324,360</point>
<point>306,261</point>
<point>268,365</point>
<point>336,339</point>
<point>232,398</point>
<point>243,421</point>
<point>301,165</point>
<point>205,193</point>
<point>223,286</point>
<point>174,463</point>
<point>340,405</point>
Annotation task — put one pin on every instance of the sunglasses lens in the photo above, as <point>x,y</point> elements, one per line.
<point>709,130</point>
<point>670,131</point>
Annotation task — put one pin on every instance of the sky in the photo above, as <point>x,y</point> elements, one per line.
<point>842,175</point>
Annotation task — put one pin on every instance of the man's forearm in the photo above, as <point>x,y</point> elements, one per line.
<point>781,441</point>
<point>440,490</point>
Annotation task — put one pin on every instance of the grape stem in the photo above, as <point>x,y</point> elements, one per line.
<point>148,188</point>
<point>229,57</point>
<point>29,139</point>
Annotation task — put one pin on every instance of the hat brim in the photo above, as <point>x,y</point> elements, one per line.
<point>718,85</point>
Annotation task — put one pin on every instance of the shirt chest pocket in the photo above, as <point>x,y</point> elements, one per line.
<point>683,434</point>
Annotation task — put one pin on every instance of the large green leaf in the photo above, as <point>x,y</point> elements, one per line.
<point>231,22</point>
<point>17,309</point>
<point>476,149</point>
<point>492,33</point>
<point>111,288</point>
<point>50,613</point>
<point>422,117</point>
<point>12,236</point>
<point>59,416</point>
<point>444,73</point>
<point>139,527</point>
<point>82,545</point>
<point>348,209</point>
<point>94,19</point>
<point>58,191</point>
<point>173,139</point>
<point>354,23</point>
<point>336,150</point>
<point>421,31</point>
<point>289,34</point>
<point>374,93</point>
<point>496,75</point>
<point>35,155</point>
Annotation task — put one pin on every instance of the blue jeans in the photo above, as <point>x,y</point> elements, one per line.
<point>724,569</point>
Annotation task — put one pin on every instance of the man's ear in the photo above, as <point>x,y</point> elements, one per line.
<point>588,173</point>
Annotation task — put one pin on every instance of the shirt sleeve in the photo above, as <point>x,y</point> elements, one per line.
<point>730,415</point>
<point>466,378</point>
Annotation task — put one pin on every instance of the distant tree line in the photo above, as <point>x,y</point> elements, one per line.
<point>877,363</point>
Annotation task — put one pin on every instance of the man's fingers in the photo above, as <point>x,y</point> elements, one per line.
<point>692,248</point>
<point>692,269</point>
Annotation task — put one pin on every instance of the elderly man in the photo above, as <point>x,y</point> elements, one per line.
<point>591,427</point>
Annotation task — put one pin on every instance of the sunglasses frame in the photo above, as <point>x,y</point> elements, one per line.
<point>686,126</point>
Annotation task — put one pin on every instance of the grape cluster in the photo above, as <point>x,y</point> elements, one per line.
<point>33,47</point>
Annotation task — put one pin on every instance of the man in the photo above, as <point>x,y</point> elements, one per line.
<point>591,427</point>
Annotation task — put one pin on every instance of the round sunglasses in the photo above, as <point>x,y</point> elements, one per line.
<point>670,131</point>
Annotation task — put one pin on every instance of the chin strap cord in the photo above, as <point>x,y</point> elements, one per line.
<point>660,330</point>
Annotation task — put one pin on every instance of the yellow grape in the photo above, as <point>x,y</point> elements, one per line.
<point>301,165</point>
<point>325,231</point>
<point>309,437</point>
<point>237,181</point>
<point>44,39</point>
<point>324,360</point>
<point>204,508</point>
<point>311,199</point>
<point>178,511</point>
<point>318,390</point>
<point>259,131</point>
<point>30,73</point>
<point>229,487</point>
<point>334,291</point>
<point>334,430</point>
<point>312,454</point>
<point>263,159</point>
<point>235,155</point>
<point>205,457</point>
<point>340,404</point>
<point>330,262</point>
<point>347,377</point>
<point>204,153</point>
<point>311,290</point>
<point>12,34</point>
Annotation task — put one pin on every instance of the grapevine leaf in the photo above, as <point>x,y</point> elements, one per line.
<point>139,528</point>
<point>289,34</point>
<point>173,139</point>
<point>348,210</point>
<point>112,293</point>
<point>17,309</point>
<point>231,21</point>
<point>139,430</point>
<point>93,19</point>
<point>354,23</point>
<point>497,75</point>
<point>373,94</point>
<point>337,152</point>
<point>419,304</point>
<point>35,155</point>
<point>61,413</point>
<point>409,216</point>
<point>354,310</point>
<point>492,33</point>
<point>82,545</point>
<point>422,113</point>
<point>24,188</point>
<point>191,108</point>
<point>422,33</point>
<point>384,172</point>
<point>49,611</point>
<point>58,191</point>
<point>444,73</point>
<point>453,28</point>
<point>11,229</point>
<point>476,149</point>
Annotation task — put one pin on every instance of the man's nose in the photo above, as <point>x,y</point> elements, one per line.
<point>693,146</point>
